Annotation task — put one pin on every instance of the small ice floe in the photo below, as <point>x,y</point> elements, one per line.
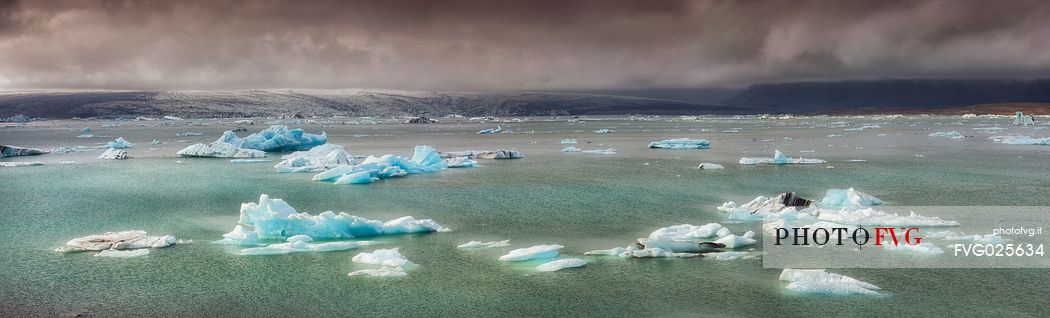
<point>461,162</point>
<point>85,136</point>
<point>1021,140</point>
<point>301,243</point>
<point>120,143</point>
<point>480,244</point>
<point>950,134</point>
<point>249,160</point>
<point>779,158</point>
<point>681,143</point>
<point>385,271</point>
<point>728,256</point>
<point>485,154</point>
<point>561,264</point>
<point>383,257</point>
<point>569,141</point>
<point>273,218</point>
<point>869,216</point>
<point>219,150</point>
<point>603,131</point>
<point>123,253</point>
<point>834,136</point>
<point>13,164</point>
<point>124,240</point>
<point>114,154</point>
<point>12,151</point>
<point>189,133</point>
<point>818,281</point>
<point>710,166</point>
<point>535,252</point>
<point>317,159</point>
<point>782,206</point>
<point>735,241</point>
<point>490,131</point>
<point>571,149</point>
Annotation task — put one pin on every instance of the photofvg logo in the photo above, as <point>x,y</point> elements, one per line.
<point>975,237</point>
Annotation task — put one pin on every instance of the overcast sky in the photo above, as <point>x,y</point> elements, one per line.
<point>511,45</point>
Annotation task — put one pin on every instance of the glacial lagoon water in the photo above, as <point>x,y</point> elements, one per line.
<point>582,201</point>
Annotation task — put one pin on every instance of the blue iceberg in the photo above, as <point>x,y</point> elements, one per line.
<point>276,138</point>
<point>426,159</point>
<point>120,143</point>
<point>681,143</point>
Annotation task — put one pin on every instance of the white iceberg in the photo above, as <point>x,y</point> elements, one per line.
<point>219,149</point>
<point>12,164</point>
<point>681,143</point>
<point>384,257</point>
<point>239,236</point>
<point>461,162</point>
<point>571,149</point>
<point>782,206</point>
<point>1022,140</point>
<point>479,244</point>
<point>561,264</point>
<point>484,154</point>
<point>778,159</point>
<point>120,143</point>
<point>301,243</point>
<point>273,218</point>
<point>124,240</point>
<point>319,158</point>
<point>818,281</point>
<point>114,153</point>
<point>569,141</point>
<point>603,131</point>
<point>275,138</point>
<point>735,241</point>
<point>123,253</point>
<point>385,271</point>
<point>535,252</point>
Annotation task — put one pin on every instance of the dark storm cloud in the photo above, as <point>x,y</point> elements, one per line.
<point>486,45</point>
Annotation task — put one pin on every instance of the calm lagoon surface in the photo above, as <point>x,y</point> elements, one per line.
<point>582,201</point>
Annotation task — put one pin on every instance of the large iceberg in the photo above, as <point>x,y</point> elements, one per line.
<point>120,143</point>
<point>561,264</point>
<point>818,281</point>
<point>124,240</point>
<point>301,243</point>
<point>319,158</point>
<point>219,149</point>
<point>276,138</point>
<point>778,159</point>
<point>535,252</point>
<point>425,160</point>
<point>681,143</point>
<point>273,218</point>
<point>11,151</point>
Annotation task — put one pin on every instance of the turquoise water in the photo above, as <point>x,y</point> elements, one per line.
<point>582,201</point>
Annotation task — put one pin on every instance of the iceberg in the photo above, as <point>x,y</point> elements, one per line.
<point>869,216</point>
<point>848,198</point>
<point>425,160</point>
<point>319,158</point>
<point>603,131</point>
<point>1022,140</point>
<point>275,138</point>
<point>818,281</point>
<point>710,166</point>
<point>12,164</point>
<point>561,264</point>
<point>571,149</point>
<point>569,141</point>
<point>950,134</point>
<point>239,236</point>
<point>490,130</point>
<point>461,162</point>
<point>12,151</point>
<point>124,240</point>
<point>535,252</point>
<point>384,257</point>
<point>734,241</point>
<point>681,143</point>
<point>385,271</point>
<point>273,218</point>
<point>1020,119</point>
<point>766,208</point>
<point>120,143</point>
<point>114,153</point>
<point>635,251</point>
<point>123,253</point>
<point>301,243</point>
<point>479,244</point>
<point>778,159</point>
<point>219,150</point>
